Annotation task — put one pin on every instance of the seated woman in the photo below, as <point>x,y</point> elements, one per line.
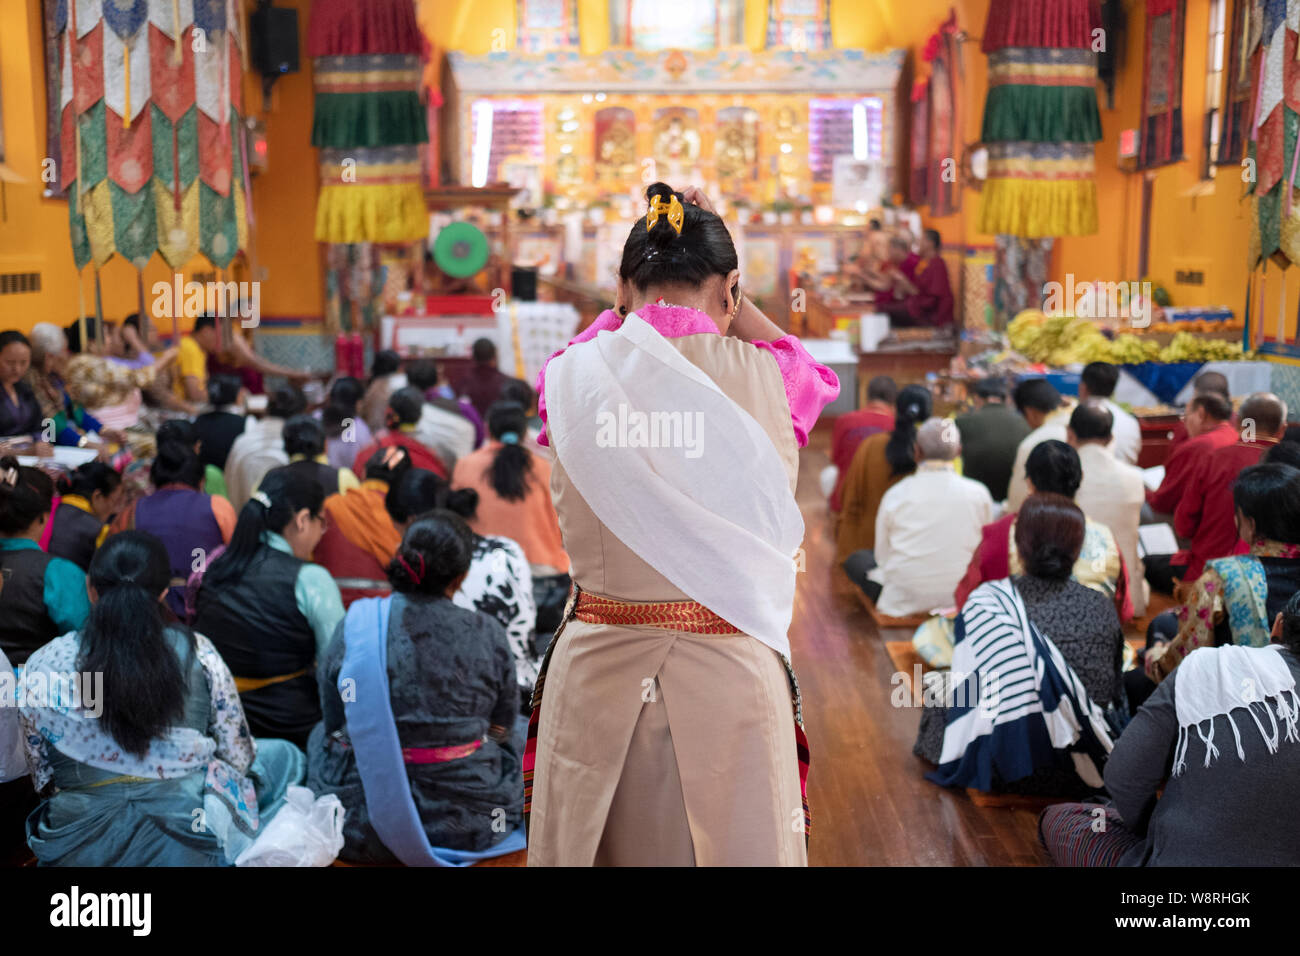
<point>1236,598</point>
<point>304,443</point>
<point>405,406</point>
<point>1052,467</point>
<point>44,596</point>
<point>359,539</point>
<point>1227,800</point>
<point>420,753</point>
<point>166,736</point>
<point>499,582</point>
<point>217,428</point>
<point>514,501</point>
<point>514,491</point>
<point>881,461</point>
<point>73,425</point>
<point>90,496</point>
<point>1035,672</point>
<point>269,610</point>
<point>346,432</point>
<point>191,524</point>
<point>20,410</point>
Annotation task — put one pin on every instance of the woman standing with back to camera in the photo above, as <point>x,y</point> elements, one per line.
<point>670,729</point>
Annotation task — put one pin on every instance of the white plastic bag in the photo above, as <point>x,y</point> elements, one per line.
<point>306,831</point>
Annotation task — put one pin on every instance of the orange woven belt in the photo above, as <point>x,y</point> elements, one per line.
<point>689,616</point>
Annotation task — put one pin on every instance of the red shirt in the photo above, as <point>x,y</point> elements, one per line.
<point>850,431</point>
<point>1180,467</point>
<point>1206,513</point>
<point>421,457</point>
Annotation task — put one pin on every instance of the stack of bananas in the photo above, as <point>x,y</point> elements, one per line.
<point>1062,340</point>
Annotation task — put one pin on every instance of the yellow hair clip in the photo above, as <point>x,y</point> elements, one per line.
<point>676,214</point>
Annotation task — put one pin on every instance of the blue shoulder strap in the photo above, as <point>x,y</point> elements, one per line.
<point>373,731</point>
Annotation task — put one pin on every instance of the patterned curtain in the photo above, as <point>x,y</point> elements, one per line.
<point>151,150</point>
<point>1041,121</point>
<point>1162,84</point>
<point>369,124</point>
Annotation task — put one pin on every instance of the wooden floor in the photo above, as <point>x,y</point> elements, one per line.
<point>871,804</point>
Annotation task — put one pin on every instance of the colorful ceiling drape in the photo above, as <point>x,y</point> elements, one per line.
<point>369,121</point>
<point>151,151</point>
<point>1274,130</point>
<point>1041,119</point>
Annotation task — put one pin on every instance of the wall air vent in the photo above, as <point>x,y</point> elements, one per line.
<point>14,283</point>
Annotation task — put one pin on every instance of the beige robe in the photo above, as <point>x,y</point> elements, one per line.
<point>655,746</point>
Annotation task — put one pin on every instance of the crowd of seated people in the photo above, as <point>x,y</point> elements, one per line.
<point>1033,691</point>
<point>221,564</point>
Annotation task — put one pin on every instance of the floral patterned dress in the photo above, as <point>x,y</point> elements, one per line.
<point>197,796</point>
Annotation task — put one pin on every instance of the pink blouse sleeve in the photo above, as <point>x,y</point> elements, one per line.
<point>809,386</point>
<point>608,320</point>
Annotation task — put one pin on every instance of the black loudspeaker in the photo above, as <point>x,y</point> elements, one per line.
<point>274,45</point>
<point>523,283</point>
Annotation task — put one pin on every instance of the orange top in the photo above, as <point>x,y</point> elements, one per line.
<point>531,521</point>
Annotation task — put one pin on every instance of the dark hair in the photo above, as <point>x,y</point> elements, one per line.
<point>346,392</point>
<point>303,435</point>
<point>123,639</point>
<point>873,225</point>
<point>9,338</point>
<point>1270,496</point>
<point>132,320</point>
<point>176,463</point>
<point>25,500</point>
<point>991,387</point>
<point>882,388</point>
<point>435,551</point>
<point>285,402</point>
<point>1215,382</point>
<point>1054,468</point>
<point>405,405</point>
<point>419,490</point>
<point>1101,379</point>
<point>483,350</point>
<point>1217,406</point>
<point>1049,535</point>
<point>1038,394</point>
<point>332,418</point>
<point>178,429</point>
<point>1285,452</point>
<point>72,332</point>
<point>385,362</point>
<point>511,470</point>
<point>1092,421</point>
<point>223,389</point>
<point>1291,624</point>
<point>913,406</point>
<point>659,256</point>
<point>423,374</point>
<point>88,478</point>
<point>388,463</point>
<point>204,322</point>
<point>519,392</point>
<point>934,237</point>
<point>1267,411</point>
<point>289,492</point>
